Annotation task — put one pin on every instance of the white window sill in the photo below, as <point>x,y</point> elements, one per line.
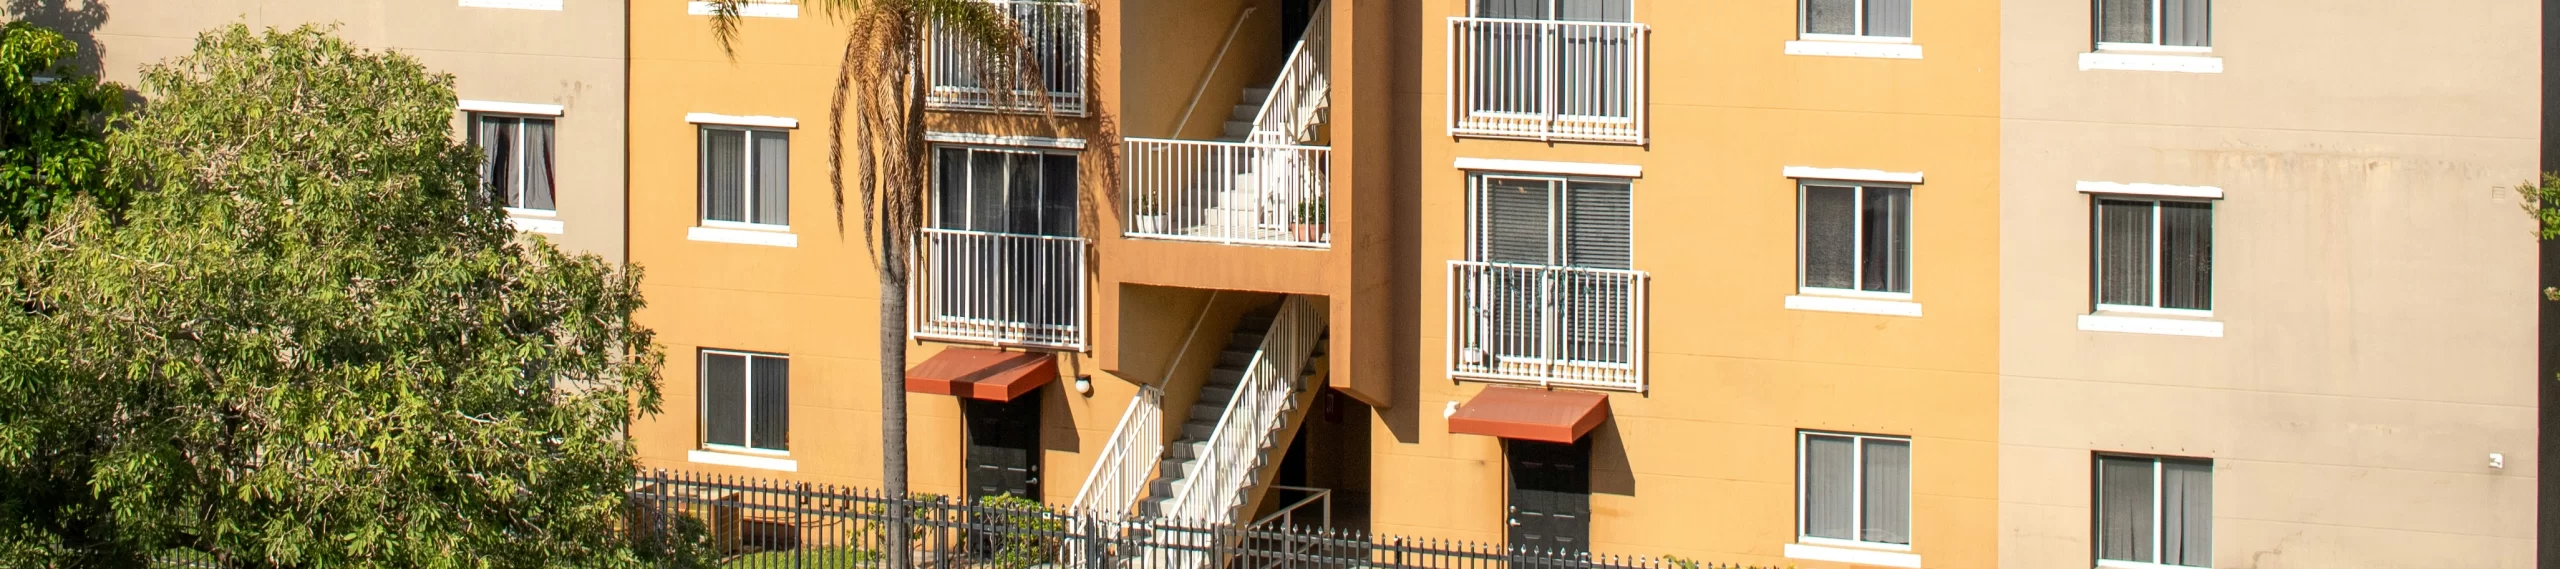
<point>1853,556</point>
<point>1877,50</point>
<point>546,5</point>
<point>1854,305</point>
<point>508,108</point>
<point>777,464</point>
<point>750,9</point>
<point>736,120</point>
<point>2179,63</point>
<point>2150,325</point>
<point>2114,564</point>
<point>540,225</point>
<point>742,236</point>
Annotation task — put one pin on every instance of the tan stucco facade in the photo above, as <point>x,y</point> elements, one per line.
<point>567,53</point>
<point>2372,276</point>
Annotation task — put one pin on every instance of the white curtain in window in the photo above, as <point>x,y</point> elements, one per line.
<point>2186,513</point>
<point>2186,22</point>
<point>773,178</point>
<point>538,170</point>
<point>1886,231</point>
<point>1886,508</point>
<point>771,395</point>
<point>496,137</point>
<point>1888,18</point>
<point>1830,469</point>
<point>724,175</point>
<point>2124,508</point>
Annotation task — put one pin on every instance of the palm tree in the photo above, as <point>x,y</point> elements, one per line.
<point>879,80</point>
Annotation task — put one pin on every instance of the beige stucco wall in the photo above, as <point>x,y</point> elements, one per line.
<point>2375,282</point>
<point>572,57</point>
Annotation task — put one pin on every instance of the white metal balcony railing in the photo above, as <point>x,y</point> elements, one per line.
<point>1547,80</point>
<point>1229,192</point>
<point>1000,288</point>
<point>1050,69</point>
<point>1547,326</point>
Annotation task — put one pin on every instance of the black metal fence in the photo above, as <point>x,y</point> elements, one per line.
<point>687,519</point>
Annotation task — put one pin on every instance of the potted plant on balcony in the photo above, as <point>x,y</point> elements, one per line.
<point>1149,218</point>
<point>1309,222</point>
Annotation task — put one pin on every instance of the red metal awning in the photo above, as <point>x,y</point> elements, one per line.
<point>1531,414</point>
<point>982,374</point>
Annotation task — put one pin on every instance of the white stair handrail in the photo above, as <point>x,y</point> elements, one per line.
<point>1212,492</point>
<point>1287,112</point>
<point>1128,459</point>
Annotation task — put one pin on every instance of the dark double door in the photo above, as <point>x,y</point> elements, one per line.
<point>1550,496</point>
<point>1004,447</point>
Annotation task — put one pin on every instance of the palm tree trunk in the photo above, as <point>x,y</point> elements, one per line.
<point>893,404</point>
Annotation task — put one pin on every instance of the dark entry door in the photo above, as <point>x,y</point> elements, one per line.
<point>1550,495</point>
<point>1004,447</point>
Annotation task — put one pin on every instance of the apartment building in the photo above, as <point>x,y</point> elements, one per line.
<point>2266,300</point>
<point>540,83</point>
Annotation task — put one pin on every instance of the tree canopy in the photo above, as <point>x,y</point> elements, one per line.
<point>53,126</point>
<point>308,341</point>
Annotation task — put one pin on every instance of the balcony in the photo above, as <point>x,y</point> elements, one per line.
<point>999,289</point>
<point>1547,80</point>
<point>1236,193</point>
<point>1547,326</point>
<point>1049,72</point>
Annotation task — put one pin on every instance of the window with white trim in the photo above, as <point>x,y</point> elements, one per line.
<point>746,177</point>
<point>516,162</point>
<point>1558,250</point>
<point>1853,490</point>
<point>1856,20</point>
<point>2154,254</point>
<point>2156,25</point>
<point>2154,511</point>
<point>1854,239</point>
<point>746,401</point>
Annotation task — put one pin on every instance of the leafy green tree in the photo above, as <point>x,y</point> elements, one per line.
<point>879,86</point>
<point>53,126</point>
<point>307,342</point>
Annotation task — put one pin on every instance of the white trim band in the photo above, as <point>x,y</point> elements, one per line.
<point>538,225</point>
<point>1854,305</point>
<point>993,140</point>
<point>2149,62</point>
<point>1544,167</point>
<point>742,461</point>
<point>1853,556</point>
<point>735,120</point>
<point>742,236</point>
<point>546,5</point>
<point>2154,326</point>
<point>751,9</point>
<point>1854,49</point>
<point>1852,175</point>
<point>2160,190</point>
<point>506,108</point>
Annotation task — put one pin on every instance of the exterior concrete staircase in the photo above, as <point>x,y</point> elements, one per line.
<point>1250,405</point>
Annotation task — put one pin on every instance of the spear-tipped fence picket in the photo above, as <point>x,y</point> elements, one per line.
<point>681,519</point>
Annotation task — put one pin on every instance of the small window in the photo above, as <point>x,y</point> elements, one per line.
<point>1856,19</point>
<point>746,177</point>
<point>1856,238</point>
<point>2154,511</point>
<point>1565,10</point>
<point>1854,490</point>
<point>990,190</point>
<point>516,162</point>
<point>2154,254</point>
<point>746,401</point>
<point>2175,25</point>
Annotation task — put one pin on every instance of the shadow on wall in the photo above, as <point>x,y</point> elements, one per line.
<point>80,24</point>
